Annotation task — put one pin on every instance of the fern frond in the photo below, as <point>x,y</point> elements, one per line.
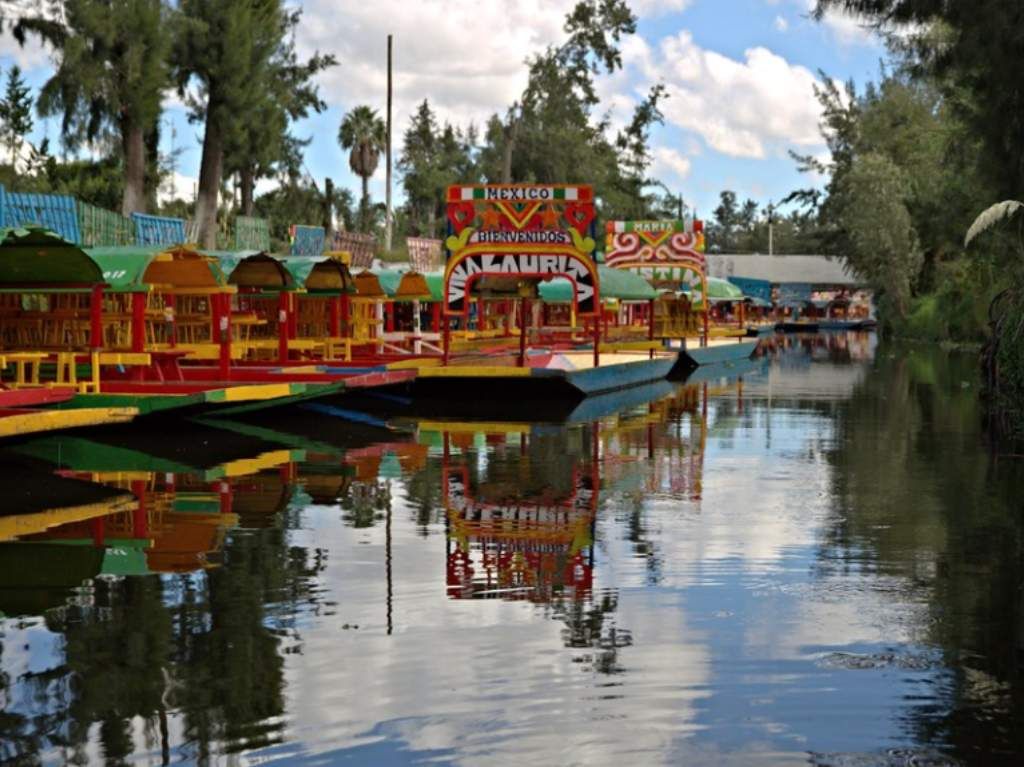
<point>992,216</point>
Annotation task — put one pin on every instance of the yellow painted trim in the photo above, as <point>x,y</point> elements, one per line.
<point>413,364</point>
<point>50,420</point>
<point>17,525</point>
<point>632,346</point>
<point>256,392</point>
<point>468,371</point>
<point>485,427</point>
<point>125,358</point>
<point>268,460</point>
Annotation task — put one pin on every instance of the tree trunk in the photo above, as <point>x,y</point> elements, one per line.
<point>134,145</point>
<point>328,211</point>
<point>364,205</point>
<point>247,182</point>
<point>209,181</point>
<point>511,133</point>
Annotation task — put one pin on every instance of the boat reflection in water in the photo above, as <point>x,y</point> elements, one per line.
<point>169,600</point>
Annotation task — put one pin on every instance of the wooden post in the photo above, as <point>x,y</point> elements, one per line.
<point>597,337</point>
<point>446,337</point>
<point>96,317</point>
<point>524,306</point>
<point>138,322</point>
<point>335,317</point>
<point>435,317</point>
<point>345,313</point>
<point>293,315</point>
<point>389,317</point>
<point>224,334</point>
<point>282,327</point>
<point>650,324</point>
<point>417,347</point>
<point>387,172</point>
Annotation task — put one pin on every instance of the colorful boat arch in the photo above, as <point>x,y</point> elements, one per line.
<point>520,231</point>
<point>669,254</point>
<point>505,237</point>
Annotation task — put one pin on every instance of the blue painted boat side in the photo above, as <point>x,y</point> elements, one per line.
<point>606,404</point>
<point>711,355</point>
<point>727,371</point>
<point>621,376</point>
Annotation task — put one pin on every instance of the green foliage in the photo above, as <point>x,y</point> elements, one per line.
<point>111,63</point>
<point>972,51</point>
<point>263,145</point>
<point>296,202</point>
<point>110,76</point>
<point>433,157</point>
<point>871,205</point>
<point>15,113</point>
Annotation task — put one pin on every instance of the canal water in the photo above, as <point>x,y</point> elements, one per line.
<point>814,559</point>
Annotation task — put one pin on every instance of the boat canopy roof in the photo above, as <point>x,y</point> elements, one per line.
<point>719,291</point>
<point>254,269</point>
<point>620,284</point>
<point>36,256</point>
<point>368,285</point>
<point>320,274</point>
<point>138,268</point>
<point>408,286</point>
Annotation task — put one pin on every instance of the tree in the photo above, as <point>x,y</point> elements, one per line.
<point>263,146</point>
<point>362,132</point>
<point>872,210</point>
<point>15,113</point>
<point>232,50</point>
<point>111,72</point>
<point>433,157</point>
<point>594,29</point>
<point>973,51</point>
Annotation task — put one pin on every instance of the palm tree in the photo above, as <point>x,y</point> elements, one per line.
<point>363,132</point>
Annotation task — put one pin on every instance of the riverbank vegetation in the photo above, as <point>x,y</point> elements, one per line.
<point>915,158</point>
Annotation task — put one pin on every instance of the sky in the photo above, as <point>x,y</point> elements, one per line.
<point>740,76</point>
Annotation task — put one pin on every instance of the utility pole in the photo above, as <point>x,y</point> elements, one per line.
<point>387,192</point>
<point>771,221</point>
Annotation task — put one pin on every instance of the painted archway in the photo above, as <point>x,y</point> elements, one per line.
<point>669,254</point>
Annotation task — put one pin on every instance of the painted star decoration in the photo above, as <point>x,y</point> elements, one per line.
<point>550,217</point>
<point>491,218</point>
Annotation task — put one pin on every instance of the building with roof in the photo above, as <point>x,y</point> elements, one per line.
<point>785,278</point>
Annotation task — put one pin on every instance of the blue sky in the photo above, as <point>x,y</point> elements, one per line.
<point>739,73</point>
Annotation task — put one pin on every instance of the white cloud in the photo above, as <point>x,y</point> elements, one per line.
<point>649,8</point>
<point>177,186</point>
<point>781,24</point>
<point>747,108</point>
<point>669,162</point>
<point>467,59</point>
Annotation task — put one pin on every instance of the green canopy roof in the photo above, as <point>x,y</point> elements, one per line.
<point>34,255</point>
<point>260,269</point>
<point>125,268</point>
<point>614,284</point>
<point>391,280</point>
<point>302,267</point>
<point>720,290</point>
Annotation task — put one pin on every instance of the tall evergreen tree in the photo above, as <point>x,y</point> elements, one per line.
<point>15,113</point>
<point>263,146</point>
<point>110,72</point>
<point>231,50</point>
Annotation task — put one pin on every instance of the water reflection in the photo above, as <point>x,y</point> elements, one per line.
<point>814,558</point>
